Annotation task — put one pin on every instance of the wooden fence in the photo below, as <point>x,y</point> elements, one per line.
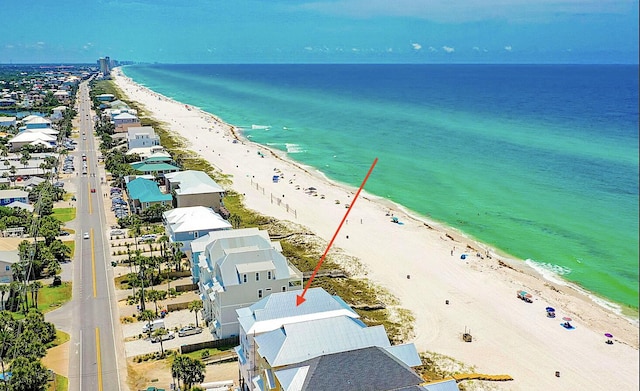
<point>218,343</point>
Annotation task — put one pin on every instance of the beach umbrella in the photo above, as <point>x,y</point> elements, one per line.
<point>528,295</point>
<point>312,188</point>
<point>550,309</point>
<point>566,319</point>
<point>608,335</point>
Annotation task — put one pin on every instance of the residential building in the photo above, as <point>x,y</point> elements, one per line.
<point>186,224</point>
<point>144,193</point>
<point>142,137</point>
<point>295,343</point>
<point>150,152</point>
<point>372,368</point>
<point>32,137</point>
<point>235,271</point>
<point>156,166</point>
<point>276,310</point>
<point>9,196</point>
<point>7,122</point>
<point>7,260</point>
<point>36,122</point>
<point>193,188</point>
<point>124,121</point>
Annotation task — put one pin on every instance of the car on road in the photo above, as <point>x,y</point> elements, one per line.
<point>189,330</point>
<point>165,337</point>
<point>93,190</point>
<point>86,235</point>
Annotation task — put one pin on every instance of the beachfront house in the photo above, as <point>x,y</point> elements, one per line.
<point>199,245</point>
<point>36,122</point>
<point>370,368</point>
<point>295,343</point>
<point>124,121</point>
<point>144,193</point>
<point>235,271</point>
<point>193,188</point>
<point>183,225</point>
<point>142,137</point>
<point>276,310</point>
<point>9,196</point>
<point>156,166</point>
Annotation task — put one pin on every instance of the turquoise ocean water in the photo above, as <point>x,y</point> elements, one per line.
<point>538,161</point>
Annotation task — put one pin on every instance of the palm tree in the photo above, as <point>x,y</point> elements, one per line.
<point>148,316</point>
<point>160,333</point>
<point>35,287</point>
<point>195,306</point>
<point>4,288</point>
<point>154,295</point>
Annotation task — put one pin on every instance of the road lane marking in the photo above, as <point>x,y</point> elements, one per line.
<point>89,192</point>
<point>93,266</point>
<point>99,359</point>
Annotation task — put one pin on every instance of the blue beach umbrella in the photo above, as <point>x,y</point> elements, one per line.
<point>550,309</point>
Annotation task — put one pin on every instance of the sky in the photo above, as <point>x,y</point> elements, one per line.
<point>319,31</point>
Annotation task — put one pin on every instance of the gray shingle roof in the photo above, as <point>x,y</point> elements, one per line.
<point>370,369</point>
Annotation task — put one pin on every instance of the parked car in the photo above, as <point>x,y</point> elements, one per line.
<point>189,330</point>
<point>165,337</point>
<point>63,233</point>
<point>117,232</point>
<point>147,237</point>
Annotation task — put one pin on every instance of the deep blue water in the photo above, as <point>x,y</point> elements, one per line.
<point>539,161</point>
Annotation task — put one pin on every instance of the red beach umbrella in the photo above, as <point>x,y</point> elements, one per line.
<point>566,319</point>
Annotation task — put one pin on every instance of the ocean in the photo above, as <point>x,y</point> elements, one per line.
<point>537,161</point>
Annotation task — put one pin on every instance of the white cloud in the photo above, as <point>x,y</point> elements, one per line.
<point>508,48</point>
<point>448,49</point>
<point>416,46</point>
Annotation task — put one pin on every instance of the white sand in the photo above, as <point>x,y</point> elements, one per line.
<point>509,336</point>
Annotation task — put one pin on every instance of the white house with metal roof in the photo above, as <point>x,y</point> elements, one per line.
<point>276,310</point>
<point>142,137</point>
<point>191,188</point>
<point>297,342</point>
<point>235,271</point>
<point>186,224</point>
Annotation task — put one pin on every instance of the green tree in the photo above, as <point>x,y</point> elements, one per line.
<point>235,220</point>
<point>195,306</point>
<point>147,316</point>
<point>159,334</point>
<point>27,375</point>
<point>188,370</point>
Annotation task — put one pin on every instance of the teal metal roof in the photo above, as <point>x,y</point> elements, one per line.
<point>146,190</point>
<point>154,167</point>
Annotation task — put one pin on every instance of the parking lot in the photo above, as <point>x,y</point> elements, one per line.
<point>173,322</point>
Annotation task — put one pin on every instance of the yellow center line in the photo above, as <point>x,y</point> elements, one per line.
<point>98,359</point>
<point>93,265</point>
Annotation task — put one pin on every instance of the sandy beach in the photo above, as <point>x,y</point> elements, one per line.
<point>420,263</point>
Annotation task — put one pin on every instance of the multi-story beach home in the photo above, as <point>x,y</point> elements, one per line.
<point>142,137</point>
<point>9,196</point>
<point>193,188</point>
<point>124,121</point>
<point>157,166</point>
<point>295,343</point>
<point>370,368</point>
<point>235,271</point>
<point>183,225</point>
<point>276,310</point>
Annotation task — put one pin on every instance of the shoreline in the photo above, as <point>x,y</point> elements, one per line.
<point>425,254</point>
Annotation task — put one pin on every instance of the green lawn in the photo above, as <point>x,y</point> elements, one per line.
<point>61,383</point>
<point>64,214</point>
<point>52,297</point>
<point>72,245</point>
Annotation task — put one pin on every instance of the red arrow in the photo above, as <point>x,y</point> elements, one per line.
<point>300,298</point>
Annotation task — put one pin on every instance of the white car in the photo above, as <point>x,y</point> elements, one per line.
<point>164,337</point>
<point>189,330</point>
<point>86,235</point>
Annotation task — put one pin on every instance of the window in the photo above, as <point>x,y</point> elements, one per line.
<point>7,268</point>
<point>196,234</point>
<point>259,293</point>
<point>284,288</point>
<point>269,275</point>
<point>257,276</point>
<point>244,278</point>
